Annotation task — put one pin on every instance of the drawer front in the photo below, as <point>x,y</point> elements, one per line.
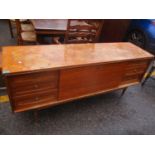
<point>33,78</point>
<point>131,79</point>
<point>135,71</point>
<point>35,98</point>
<point>29,83</point>
<point>32,89</point>
<point>138,63</point>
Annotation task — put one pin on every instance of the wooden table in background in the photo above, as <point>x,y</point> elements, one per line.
<point>50,26</point>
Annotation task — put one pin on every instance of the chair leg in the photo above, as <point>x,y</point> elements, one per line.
<point>40,39</point>
<point>10,27</point>
<point>20,42</point>
<point>147,76</point>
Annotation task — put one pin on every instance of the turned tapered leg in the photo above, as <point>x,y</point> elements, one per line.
<point>148,75</point>
<point>123,91</point>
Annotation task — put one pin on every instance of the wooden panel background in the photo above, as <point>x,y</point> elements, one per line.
<point>114,30</point>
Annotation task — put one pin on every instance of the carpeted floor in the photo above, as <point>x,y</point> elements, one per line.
<point>134,113</point>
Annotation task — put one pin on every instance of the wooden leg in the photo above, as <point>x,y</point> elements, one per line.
<point>147,76</point>
<point>123,91</point>
<point>10,27</point>
<point>19,41</point>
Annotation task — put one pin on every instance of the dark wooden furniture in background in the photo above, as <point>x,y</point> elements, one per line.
<point>114,30</point>
<point>79,31</point>
<point>49,26</point>
<point>60,27</point>
<point>41,76</point>
<point>25,26</point>
<point>25,33</point>
<point>10,27</point>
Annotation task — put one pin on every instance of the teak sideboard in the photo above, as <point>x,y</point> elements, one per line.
<point>41,76</point>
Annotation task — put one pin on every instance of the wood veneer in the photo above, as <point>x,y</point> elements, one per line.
<point>85,80</point>
<point>42,76</point>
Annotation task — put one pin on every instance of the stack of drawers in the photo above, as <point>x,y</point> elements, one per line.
<point>135,71</point>
<point>33,89</point>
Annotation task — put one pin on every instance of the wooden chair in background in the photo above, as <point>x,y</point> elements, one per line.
<point>81,31</point>
<point>25,33</point>
<point>11,27</point>
<point>25,25</point>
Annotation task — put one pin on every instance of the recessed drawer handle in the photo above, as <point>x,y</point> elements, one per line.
<point>36,86</point>
<point>36,98</point>
<point>135,70</point>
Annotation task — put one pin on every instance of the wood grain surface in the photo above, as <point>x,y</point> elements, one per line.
<point>49,24</point>
<point>32,58</point>
<point>85,80</point>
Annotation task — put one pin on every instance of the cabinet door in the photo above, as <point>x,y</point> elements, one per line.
<point>81,81</point>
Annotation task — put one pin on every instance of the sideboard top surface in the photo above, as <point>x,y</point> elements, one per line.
<point>30,58</point>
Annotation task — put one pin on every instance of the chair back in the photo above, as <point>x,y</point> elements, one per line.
<point>83,31</point>
<point>19,30</point>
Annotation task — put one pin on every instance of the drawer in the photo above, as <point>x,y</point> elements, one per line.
<point>135,70</point>
<point>31,88</point>
<point>35,98</point>
<point>131,78</point>
<point>126,78</point>
<point>138,63</point>
<point>33,78</point>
